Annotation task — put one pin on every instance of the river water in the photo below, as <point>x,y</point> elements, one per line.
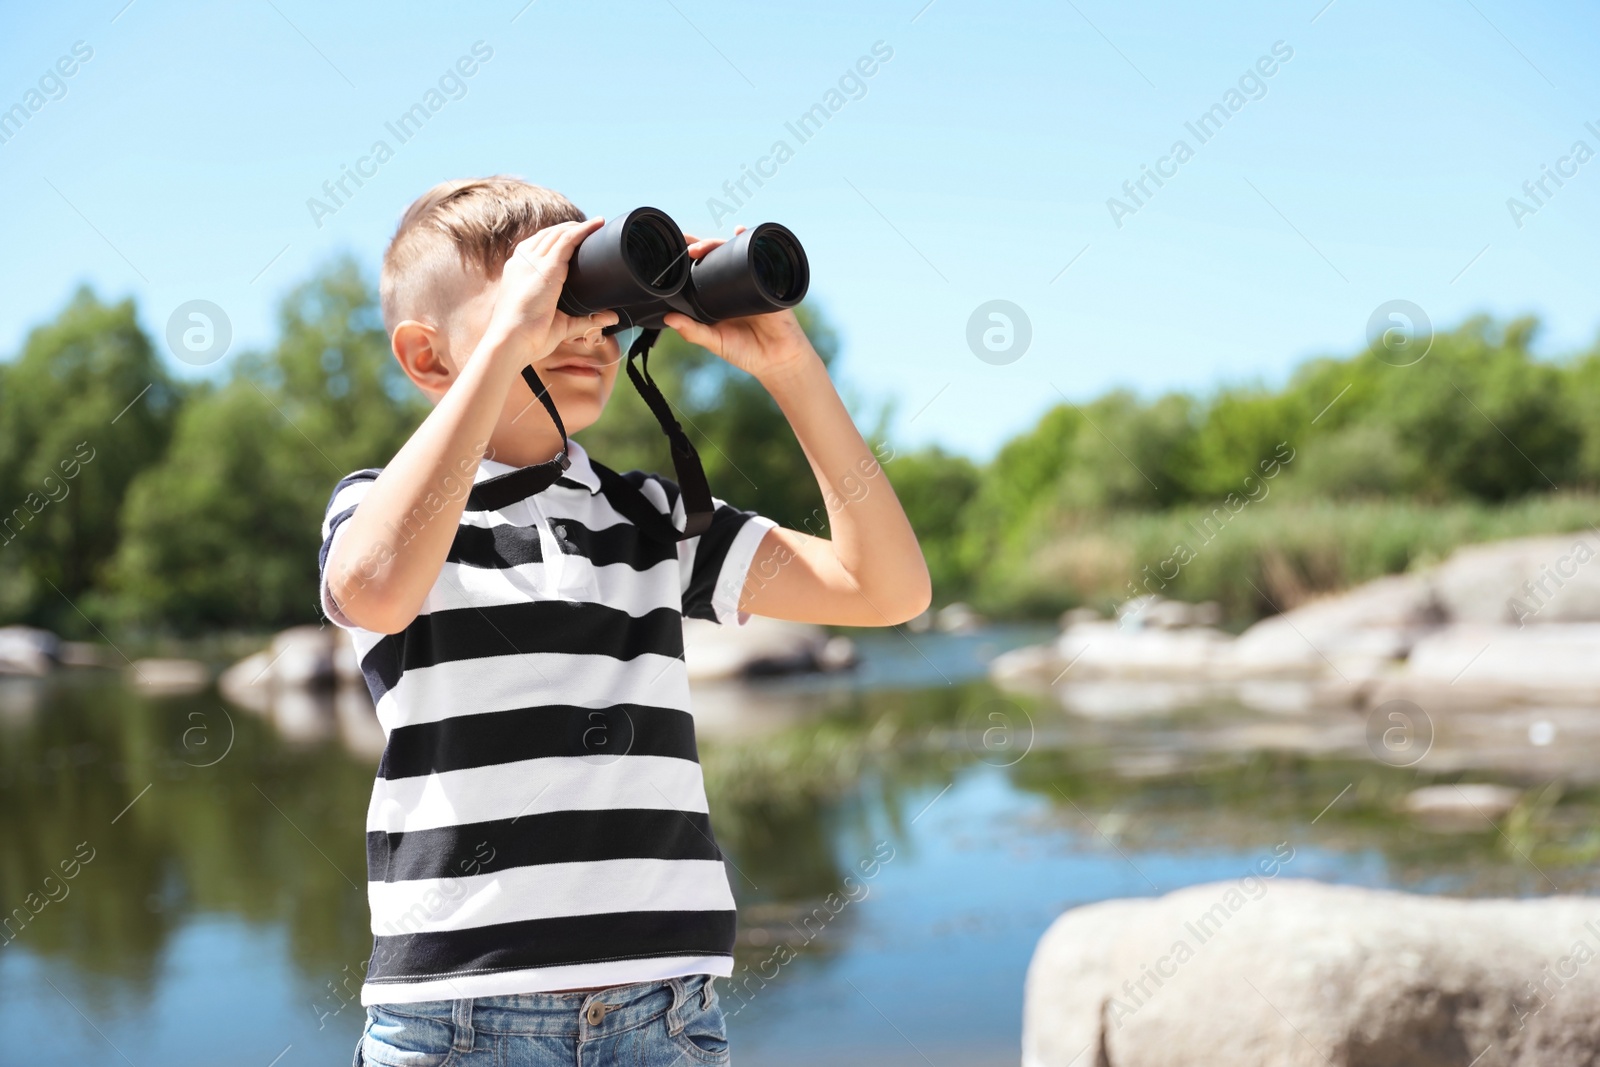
<point>898,839</point>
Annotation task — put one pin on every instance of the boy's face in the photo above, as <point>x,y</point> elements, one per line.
<point>579,374</point>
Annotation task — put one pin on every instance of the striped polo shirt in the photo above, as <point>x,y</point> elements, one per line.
<point>539,819</point>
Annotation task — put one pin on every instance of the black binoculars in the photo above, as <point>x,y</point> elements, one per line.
<point>638,265</point>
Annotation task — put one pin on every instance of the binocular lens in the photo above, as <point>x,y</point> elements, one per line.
<point>776,261</point>
<point>655,252</point>
<point>638,266</point>
<point>628,265</point>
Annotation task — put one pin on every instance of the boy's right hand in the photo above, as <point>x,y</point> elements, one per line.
<point>525,319</point>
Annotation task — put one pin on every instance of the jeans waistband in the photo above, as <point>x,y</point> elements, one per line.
<point>579,1015</point>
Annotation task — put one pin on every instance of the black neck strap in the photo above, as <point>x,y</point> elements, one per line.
<point>506,489</point>
<point>497,492</point>
<point>691,474</point>
<point>543,394</point>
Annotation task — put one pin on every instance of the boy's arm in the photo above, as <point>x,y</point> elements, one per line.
<point>871,572</point>
<point>379,580</point>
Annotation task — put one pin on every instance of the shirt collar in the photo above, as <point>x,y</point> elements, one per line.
<point>580,470</point>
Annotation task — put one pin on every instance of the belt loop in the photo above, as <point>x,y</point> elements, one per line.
<point>708,991</point>
<point>462,1017</point>
<point>680,995</point>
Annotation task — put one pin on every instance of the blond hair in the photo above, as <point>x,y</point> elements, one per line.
<point>458,228</point>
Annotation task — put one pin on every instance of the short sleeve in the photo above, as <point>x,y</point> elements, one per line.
<point>341,505</point>
<point>716,563</point>
<point>712,566</point>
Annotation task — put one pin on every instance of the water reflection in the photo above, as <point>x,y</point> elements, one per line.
<point>223,906</point>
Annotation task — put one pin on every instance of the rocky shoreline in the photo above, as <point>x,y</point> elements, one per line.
<point>308,680</point>
<point>1510,622</point>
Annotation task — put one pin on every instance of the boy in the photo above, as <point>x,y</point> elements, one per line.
<point>542,876</point>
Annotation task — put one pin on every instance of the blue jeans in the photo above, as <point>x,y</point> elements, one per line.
<point>651,1024</point>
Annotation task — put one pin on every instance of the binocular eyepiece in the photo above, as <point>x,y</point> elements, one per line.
<point>638,265</point>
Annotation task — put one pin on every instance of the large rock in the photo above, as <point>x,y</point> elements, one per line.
<point>308,683</point>
<point>26,650</point>
<point>761,647</point>
<point>1151,640</point>
<point>1353,635</point>
<point>248,683</point>
<point>1530,579</point>
<point>1028,667</point>
<point>1277,972</point>
<point>1507,622</point>
<point>1495,663</point>
<point>1125,698</point>
<point>302,658</point>
<point>1115,649</point>
<point>1348,638</point>
<point>169,677</point>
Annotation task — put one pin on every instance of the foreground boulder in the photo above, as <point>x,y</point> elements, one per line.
<point>1284,972</point>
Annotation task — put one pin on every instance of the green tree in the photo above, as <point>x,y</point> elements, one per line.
<point>1129,455</point>
<point>84,409</point>
<point>333,379</point>
<point>1024,471</point>
<point>936,489</point>
<point>1239,430</point>
<point>225,531</point>
<point>1485,418</point>
<point>1582,386</point>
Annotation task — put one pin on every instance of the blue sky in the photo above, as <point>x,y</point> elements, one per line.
<point>974,164</point>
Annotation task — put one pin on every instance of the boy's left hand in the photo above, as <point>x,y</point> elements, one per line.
<point>762,345</point>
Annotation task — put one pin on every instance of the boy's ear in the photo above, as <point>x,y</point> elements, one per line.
<point>417,346</point>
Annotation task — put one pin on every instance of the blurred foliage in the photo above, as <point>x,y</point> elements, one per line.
<point>224,531</point>
<point>937,489</point>
<point>200,506</point>
<point>1269,557</point>
<point>84,409</point>
<point>1355,468</point>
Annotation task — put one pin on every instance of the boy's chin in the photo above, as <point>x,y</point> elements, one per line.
<point>579,412</point>
<point>579,403</point>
